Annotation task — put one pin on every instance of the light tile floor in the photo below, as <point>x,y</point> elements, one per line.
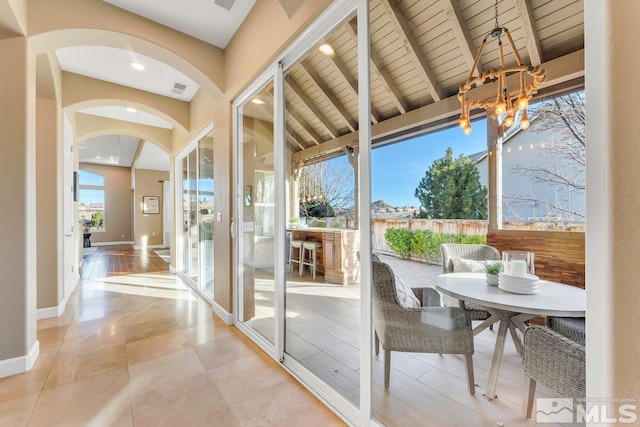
<point>144,350</point>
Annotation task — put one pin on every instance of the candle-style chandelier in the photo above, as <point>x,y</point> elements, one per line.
<point>506,100</point>
<point>311,183</point>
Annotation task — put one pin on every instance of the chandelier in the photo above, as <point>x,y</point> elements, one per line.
<point>506,101</point>
<point>311,183</point>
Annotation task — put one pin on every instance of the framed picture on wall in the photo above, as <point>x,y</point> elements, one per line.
<point>150,205</point>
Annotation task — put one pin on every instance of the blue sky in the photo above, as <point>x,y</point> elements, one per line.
<point>396,169</point>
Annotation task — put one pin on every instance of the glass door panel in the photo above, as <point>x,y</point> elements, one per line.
<point>256,213</point>
<point>322,324</point>
<point>184,229</point>
<point>206,213</point>
<point>193,215</point>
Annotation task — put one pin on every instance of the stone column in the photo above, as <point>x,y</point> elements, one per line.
<point>18,263</point>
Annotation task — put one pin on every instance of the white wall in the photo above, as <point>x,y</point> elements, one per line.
<point>530,149</point>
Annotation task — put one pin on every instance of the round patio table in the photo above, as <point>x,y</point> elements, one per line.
<point>511,310</point>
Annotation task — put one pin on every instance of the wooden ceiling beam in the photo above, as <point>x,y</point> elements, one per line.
<point>345,76</point>
<point>293,139</point>
<point>529,30</point>
<point>328,94</point>
<point>297,90</point>
<point>442,113</point>
<point>413,49</point>
<point>461,32</point>
<point>315,136</point>
<point>377,68</point>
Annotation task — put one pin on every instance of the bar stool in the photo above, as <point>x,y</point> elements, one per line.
<point>309,256</point>
<point>295,244</point>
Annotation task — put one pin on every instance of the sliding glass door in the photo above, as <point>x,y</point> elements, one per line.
<point>195,230</point>
<point>296,218</point>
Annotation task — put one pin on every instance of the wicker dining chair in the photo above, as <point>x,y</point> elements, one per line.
<point>555,361</point>
<point>444,330</point>
<point>472,252</point>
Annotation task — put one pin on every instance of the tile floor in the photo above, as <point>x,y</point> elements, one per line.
<point>136,347</point>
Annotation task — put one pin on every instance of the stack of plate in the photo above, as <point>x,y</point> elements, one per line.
<point>526,285</point>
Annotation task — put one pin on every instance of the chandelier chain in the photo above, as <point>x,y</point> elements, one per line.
<point>496,13</point>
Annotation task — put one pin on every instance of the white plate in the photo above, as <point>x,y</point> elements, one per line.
<point>518,285</point>
<point>511,281</point>
<point>518,289</point>
<point>527,278</point>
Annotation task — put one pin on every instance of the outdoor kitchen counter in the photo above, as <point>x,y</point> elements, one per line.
<point>338,258</point>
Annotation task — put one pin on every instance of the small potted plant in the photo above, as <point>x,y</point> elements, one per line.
<point>492,271</point>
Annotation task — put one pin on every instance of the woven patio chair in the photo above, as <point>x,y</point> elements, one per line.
<point>444,330</point>
<point>472,252</point>
<point>555,361</point>
<point>570,327</point>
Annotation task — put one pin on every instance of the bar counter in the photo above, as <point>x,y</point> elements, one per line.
<point>338,258</point>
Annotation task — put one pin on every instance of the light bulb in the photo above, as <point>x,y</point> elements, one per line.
<point>523,102</point>
<point>524,120</point>
<point>508,121</point>
<point>463,122</point>
<point>466,130</point>
<point>501,107</point>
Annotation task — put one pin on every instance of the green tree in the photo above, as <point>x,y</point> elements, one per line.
<point>451,189</point>
<point>97,219</point>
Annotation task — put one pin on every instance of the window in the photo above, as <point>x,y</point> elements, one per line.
<point>91,197</point>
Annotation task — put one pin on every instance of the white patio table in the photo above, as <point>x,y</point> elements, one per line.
<point>511,310</point>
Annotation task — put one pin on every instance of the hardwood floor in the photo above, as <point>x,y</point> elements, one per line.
<point>109,261</point>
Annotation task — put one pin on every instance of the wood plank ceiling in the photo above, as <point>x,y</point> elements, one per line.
<point>421,51</point>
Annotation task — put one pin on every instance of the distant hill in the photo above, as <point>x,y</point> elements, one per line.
<point>380,204</point>
<point>381,209</point>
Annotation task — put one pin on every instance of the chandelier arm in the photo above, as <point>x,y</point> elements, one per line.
<point>513,46</point>
<point>477,58</point>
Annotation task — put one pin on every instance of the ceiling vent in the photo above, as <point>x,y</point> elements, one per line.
<point>178,88</point>
<point>227,4</point>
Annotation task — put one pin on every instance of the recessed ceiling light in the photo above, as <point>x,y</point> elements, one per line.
<point>327,49</point>
<point>257,101</point>
<point>98,157</point>
<point>131,110</point>
<point>137,66</point>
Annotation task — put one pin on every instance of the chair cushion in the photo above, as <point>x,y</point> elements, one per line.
<point>404,294</point>
<point>462,265</point>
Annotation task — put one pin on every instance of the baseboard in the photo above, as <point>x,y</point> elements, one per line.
<point>49,312</point>
<point>18,365</point>
<point>150,247</point>
<point>111,243</point>
<point>224,315</point>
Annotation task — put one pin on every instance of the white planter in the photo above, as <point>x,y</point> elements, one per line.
<point>492,279</point>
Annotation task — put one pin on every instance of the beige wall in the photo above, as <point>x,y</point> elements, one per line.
<point>118,210</point>
<point>47,147</point>
<point>18,267</point>
<point>613,200</point>
<point>148,227</point>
